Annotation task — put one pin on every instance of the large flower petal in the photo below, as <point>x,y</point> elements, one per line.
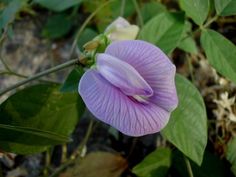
<point>153,65</point>
<point>122,75</point>
<point>112,106</point>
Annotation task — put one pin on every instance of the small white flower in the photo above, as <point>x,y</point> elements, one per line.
<point>121,29</point>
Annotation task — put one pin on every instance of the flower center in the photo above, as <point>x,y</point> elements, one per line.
<point>124,76</point>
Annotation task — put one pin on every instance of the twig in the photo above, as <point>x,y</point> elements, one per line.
<point>39,75</point>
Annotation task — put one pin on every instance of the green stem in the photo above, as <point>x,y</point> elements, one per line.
<point>189,168</point>
<point>62,167</point>
<point>87,135</point>
<point>209,22</point>
<point>138,13</point>
<point>85,24</point>
<point>39,75</point>
<point>122,8</point>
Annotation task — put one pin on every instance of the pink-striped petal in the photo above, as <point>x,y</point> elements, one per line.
<point>112,106</point>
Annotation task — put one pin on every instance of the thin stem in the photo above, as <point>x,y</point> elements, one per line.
<point>122,8</point>
<point>80,148</point>
<point>5,64</point>
<point>87,135</point>
<point>189,168</point>
<point>39,75</point>
<point>209,22</point>
<point>190,67</point>
<point>85,24</point>
<point>62,167</point>
<point>138,12</point>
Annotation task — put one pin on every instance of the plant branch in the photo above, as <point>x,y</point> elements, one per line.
<point>122,8</point>
<point>39,75</point>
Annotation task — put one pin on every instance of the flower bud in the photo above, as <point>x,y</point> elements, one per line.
<point>121,29</point>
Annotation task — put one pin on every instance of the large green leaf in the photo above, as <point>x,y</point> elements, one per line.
<point>72,81</point>
<point>8,14</point>
<point>38,116</point>
<point>225,7</point>
<point>196,9</point>
<point>187,127</point>
<point>155,164</point>
<point>231,154</point>
<point>220,52</point>
<point>57,26</point>
<point>164,30</point>
<point>58,5</point>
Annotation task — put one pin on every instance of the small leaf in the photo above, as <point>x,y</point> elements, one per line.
<point>231,154</point>
<point>164,30</point>
<point>155,164</point>
<point>57,26</point>
<point>151,9</point>
<point>225,7</point>
<point>57,5</point>
<point>187,127</point>
<point>196,9</point>
<point>99,164</point>
<point>220,52</point>
<point>72,81</point>
<point>38,115</point>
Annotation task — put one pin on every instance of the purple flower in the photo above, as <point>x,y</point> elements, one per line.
<point>132,87</point>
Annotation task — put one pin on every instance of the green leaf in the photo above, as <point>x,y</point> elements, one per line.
<point>38,116</point>
<point>225,7</point>
<point>155,164</point>
<point>196,9</point>
<point>9,13</point>
<point>57,26</point>
<point>151,9</point>
<point>187,127</point>
<point>212,166</point>
<point>231,154</point>
<point>72,81</point>
<point>87,35</point>
<point>187,43</point>
<point>164,30</point>
<point>220,52</point>
<point>57,5</point>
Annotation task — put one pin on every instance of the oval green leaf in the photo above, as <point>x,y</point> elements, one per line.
<point>196,9</point>
<point>38,116</point>
<point>164,30</point>
<point>187,127</point>
<point>220,52</point>
<point>225,7</point>
<point>155,164</point>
